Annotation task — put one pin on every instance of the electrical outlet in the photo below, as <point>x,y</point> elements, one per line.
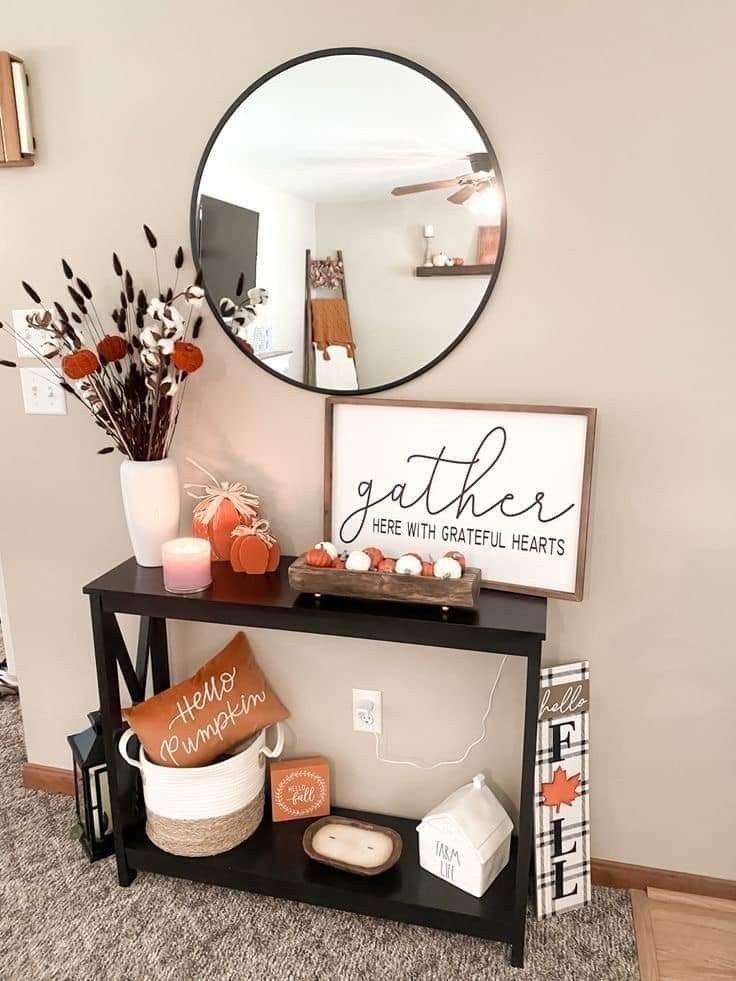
<point>367,710</point>
<point>27,339</point>
<point>42,394</point>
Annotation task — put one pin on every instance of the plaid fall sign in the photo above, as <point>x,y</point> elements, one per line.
<point>561,803</point>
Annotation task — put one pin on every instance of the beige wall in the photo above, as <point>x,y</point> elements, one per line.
<point>614,127</point>
<point>399,320</point>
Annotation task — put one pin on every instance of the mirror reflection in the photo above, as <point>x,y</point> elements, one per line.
<point>349,221</point>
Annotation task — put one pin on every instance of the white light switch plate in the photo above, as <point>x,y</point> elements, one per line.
<point>42,394</point>
<point>30,336</point>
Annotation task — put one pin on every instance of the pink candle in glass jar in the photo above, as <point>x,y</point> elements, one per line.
<point>187,565</point>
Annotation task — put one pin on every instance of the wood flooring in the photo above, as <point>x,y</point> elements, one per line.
<point>682,937</point>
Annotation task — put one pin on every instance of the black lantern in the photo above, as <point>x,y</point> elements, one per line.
<point>91,790</point>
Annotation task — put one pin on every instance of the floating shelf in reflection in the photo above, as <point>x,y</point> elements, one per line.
<point>486,270</point>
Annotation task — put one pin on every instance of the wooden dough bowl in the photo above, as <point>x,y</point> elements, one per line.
<point>344,866</point>
<point>462,592</point>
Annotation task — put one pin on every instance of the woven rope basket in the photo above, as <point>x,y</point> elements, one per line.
<point>208,836</point>
<point>205,810</point>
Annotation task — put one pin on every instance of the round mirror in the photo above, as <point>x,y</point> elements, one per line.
<point>349,219</point>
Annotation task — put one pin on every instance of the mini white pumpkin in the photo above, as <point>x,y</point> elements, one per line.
<point>408,565</point>
<point>327,547</point>
<point>358,561</point>
<point>447,568</point>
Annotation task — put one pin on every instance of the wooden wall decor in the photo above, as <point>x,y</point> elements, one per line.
<point>300,788</point>
<point>17,144</point>
<point>489,240</point>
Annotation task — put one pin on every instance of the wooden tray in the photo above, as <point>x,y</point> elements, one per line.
<point>355,869</point>
<point>461,592</point>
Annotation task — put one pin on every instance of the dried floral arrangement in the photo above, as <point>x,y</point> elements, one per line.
<point>328,273</point>
<point>132,380</point>
<point>238,314</point>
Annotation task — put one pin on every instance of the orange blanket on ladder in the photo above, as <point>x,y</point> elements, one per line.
<point>331,325</point>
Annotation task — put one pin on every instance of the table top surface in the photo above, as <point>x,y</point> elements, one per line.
<point>270,600</point>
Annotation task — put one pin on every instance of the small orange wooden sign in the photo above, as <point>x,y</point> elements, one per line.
<point>300,788</point>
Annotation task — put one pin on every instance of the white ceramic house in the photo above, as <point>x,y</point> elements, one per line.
<point>466,838</point>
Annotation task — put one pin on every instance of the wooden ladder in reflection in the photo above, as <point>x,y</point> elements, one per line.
<point>309,372</point>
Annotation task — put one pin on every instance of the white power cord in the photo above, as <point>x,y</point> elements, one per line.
<point>481,737</point>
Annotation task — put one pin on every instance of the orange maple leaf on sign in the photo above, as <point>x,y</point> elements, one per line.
<point>561,790</point>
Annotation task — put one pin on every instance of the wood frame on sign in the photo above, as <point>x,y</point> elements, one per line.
<point>588,413</point>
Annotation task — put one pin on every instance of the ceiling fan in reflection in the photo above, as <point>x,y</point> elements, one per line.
<point>477,190</point>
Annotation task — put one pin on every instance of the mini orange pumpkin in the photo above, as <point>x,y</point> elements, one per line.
<point>386,565</point>
<point>80,364</point>
<point>318,557</point>
<point>338,563</point>
<point>427,568</point>
<point>376,556</point>
<point>255,552</point>
<point>112,347</point>
<point>458,557</point>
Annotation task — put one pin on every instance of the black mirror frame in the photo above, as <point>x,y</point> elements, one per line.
<point>399,59</point>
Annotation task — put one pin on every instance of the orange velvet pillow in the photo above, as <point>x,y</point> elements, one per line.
<point>196,721</point>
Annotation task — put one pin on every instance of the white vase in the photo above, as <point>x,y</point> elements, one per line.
<point>151,504</point>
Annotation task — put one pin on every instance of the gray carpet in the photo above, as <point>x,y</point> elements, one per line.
<point>62,918</point>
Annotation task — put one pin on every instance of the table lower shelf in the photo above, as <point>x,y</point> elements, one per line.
<point>272,862</point>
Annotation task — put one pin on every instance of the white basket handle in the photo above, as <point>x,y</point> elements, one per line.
<point>123,745</point>
<point>279,747</point>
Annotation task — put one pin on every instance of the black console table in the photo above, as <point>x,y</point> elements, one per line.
<point>272,862</point>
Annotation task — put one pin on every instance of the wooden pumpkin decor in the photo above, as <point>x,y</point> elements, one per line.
<point>221,507</point>
<point>254,550</point>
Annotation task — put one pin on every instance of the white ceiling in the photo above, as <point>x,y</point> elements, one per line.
<point>346,128</point>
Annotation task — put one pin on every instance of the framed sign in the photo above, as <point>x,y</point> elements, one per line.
<point>562,789</point>
<point>507,485</point>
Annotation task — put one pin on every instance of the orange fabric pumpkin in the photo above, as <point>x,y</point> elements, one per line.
<point>427,568</point>
<point>386,565</point>
<point>112,347</point>
<point>338,563</point>
<point>219,529</point>
<point>318,557</point>
<point>187,357</point>
<point>458,557</point>
<point>80,364</point>
<point>376,556</point>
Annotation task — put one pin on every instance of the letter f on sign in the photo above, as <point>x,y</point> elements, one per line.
<point>558,740</point>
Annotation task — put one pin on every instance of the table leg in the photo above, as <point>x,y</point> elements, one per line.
<point>526,804</point>
<point>143,651</point>
<point>160,674</point>
<point>121,778</point>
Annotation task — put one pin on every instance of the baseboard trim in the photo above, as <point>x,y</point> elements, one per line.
<point>615,875</point>
<point>619,875</point>
<point>50,779</point>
